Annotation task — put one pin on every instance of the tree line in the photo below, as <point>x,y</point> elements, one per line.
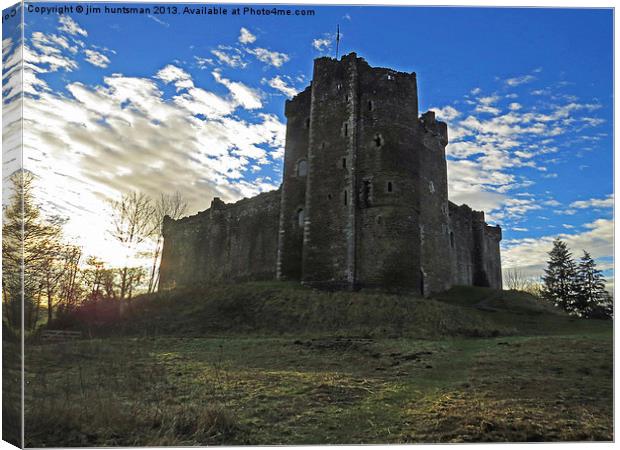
<point>577,287</point>
<point>55,277</point>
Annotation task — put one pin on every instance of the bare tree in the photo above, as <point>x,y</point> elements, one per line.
<point>132,220</point>
<point>515,279</point>
<point>174,206</point>
<point>93,276</point>
<point>29,243</point>
<point>70,287</point>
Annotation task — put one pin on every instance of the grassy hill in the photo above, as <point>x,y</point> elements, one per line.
<point>273,309</point>
<point>275,363</point>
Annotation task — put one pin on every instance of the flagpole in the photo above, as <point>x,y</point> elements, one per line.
<point>337,39</point>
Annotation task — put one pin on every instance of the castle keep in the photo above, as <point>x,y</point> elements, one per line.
<point>363,201</point>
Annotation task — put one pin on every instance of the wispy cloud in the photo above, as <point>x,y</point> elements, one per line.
<point>269,57</point>
<point>230,56</point>
<point>607,202</point>
<point>325,42</point>
<point>243,95</point>
<point>158,20</point>
<point>92,142</point>
<point>281,85</point>
<point>96,58</point>
<point>68,25</point>
<point>516,81</point>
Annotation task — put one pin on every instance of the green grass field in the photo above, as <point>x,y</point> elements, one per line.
<point>266,363</point>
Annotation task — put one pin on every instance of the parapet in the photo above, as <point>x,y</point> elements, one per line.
<point>494,231</point>
<point>301,101</point>
<point>431,125</point>
<point>217,203</point>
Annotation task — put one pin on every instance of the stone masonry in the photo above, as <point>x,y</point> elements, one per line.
<point>363,201</point>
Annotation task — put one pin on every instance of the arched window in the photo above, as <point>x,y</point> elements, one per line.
<point>300,217</point>
<point>302,168</point>
<point>390,187</point>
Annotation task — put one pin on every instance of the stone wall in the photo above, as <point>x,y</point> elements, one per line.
<point>475,253</point>
<point>294,178</point>
<point>461,244</point>
<point>387,168</point>
<point>327,234</point>
<point>227,242</point>
<point>433,188</point>
<point>492,255</point>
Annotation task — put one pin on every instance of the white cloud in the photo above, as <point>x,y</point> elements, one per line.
<point>322,44</point>
<point>203,63</point>
<point>593,121</point>
<point>245,37</point>
<point>607,202</point>
<point>176,75</point>
<point>94,142</point>
<point>51,43</point>
<point>516,81</point>
<point>485,151</point>
<point>487,109</point>
<point>243,95</point>
<point>46,55</point>
<point>158,20</point>
<point>230,56</point>
<point>96,58</point>
<point>446,113</point>
<point>279,84</point>
<point>470,183</point>
<point>70,26</point>
<point>272,58</point>
<point>488,100</point>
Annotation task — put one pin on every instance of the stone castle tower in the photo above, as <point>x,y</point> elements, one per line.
<point>363,201</point>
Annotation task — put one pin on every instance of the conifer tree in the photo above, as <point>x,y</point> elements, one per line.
<point>590,286</point>
<point>604,309</point>
<point>559,285</point>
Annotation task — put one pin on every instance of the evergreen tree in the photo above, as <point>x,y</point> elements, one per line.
<point>604,309</point>
<point>591,294</point>
<point>559,281</point>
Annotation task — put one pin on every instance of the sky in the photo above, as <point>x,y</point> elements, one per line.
<point>195,103</point>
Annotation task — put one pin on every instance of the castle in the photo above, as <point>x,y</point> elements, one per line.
<point>363,201</point>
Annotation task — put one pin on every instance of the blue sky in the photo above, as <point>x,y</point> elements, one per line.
<point>527,94</point>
